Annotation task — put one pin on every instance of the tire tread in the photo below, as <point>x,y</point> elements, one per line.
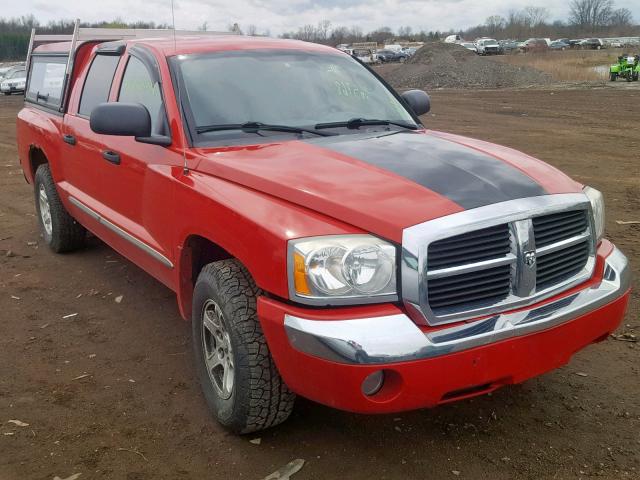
<point>67,235</point>
<point>269,401</point>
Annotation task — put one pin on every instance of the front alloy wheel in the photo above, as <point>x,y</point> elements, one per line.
<point>217,348</point>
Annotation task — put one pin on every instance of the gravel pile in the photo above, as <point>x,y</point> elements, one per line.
<point>448,65</point>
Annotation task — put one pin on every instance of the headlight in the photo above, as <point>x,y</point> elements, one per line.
<point>342,269</point>
<point>597,207</point>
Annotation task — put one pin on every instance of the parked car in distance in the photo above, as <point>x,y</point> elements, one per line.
<point>508,46</point>
<point>487,46</point>
<point>592,44</point>
<point>453,39</point>
<point>535,45</point>
<point>387,56</point>
<point>3,71</point>
<point>575,43</point>
<point>14,81</point>
<point>7,70</point>
<point>616,44</point>
<point>319,238</point>
<point>470,46</point>
<point>365,55</point>
<point>558,45</point>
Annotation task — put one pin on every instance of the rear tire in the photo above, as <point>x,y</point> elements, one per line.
<point>59,229</point>
<point>239,379</point>
<point>613,77</point>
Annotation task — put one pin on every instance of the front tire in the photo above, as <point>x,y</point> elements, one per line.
<point>59,229</point>
<point>239,379</point>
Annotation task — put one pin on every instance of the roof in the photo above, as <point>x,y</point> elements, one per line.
<point>167,47</point>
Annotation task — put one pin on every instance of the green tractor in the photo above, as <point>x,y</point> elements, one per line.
<point>628,67</point>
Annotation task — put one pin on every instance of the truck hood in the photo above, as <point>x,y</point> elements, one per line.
<point>383,182</point>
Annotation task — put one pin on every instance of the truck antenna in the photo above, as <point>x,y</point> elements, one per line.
<point>185,168</point>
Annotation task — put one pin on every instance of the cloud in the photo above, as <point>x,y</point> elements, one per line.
<point>278,16</point>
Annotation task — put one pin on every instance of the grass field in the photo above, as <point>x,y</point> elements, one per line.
<point>570,65</point>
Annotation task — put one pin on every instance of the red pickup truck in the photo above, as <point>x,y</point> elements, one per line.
<point>321,240</point>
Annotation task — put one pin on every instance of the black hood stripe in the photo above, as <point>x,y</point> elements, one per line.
<point>466,176</point>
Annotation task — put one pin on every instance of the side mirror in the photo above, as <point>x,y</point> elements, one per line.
<point>124,119</point>
<point>418,100</point>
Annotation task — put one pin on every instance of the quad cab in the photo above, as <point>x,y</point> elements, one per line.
<point>628,67</point>
<point>319,238</point>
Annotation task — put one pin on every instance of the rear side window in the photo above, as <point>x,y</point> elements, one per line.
<point>98,83</point>
<point>46,79</point>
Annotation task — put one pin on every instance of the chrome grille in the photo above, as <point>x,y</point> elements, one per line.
<point>486,285</point>
<point>491,259</point>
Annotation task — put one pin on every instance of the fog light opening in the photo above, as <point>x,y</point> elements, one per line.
<point>373,383</point>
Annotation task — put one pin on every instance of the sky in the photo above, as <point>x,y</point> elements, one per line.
<point>278,16</point>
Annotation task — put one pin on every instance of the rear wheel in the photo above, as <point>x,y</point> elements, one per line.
<point>59,229</point>
<point>239,379</point>
<point>613,76</point>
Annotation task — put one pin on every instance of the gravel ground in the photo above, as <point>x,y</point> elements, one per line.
<point>438,65</point>
<point>95,359</point>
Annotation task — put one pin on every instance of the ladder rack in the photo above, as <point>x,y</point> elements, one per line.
<point>83,34</point>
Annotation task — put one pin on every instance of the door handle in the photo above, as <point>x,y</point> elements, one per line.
<point>70,139</point>
<point>112,157</point>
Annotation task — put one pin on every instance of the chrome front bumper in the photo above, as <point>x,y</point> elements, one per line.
<point>396,338</point>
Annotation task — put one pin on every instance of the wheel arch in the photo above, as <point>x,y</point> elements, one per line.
<point>196,252</point>
<point>37,157</point>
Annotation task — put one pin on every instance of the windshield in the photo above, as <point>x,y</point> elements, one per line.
<point>293,88</point>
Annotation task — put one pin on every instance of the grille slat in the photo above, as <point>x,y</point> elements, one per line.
<point>494,296</point>
<point>464,239</point>
<point>552,236</point>
<point>555,217</point>
<point>450,291</point>
<point>477,276</point>
<point>560,265</point>
<point>555,227</point>
<point>564,266</point>
<point>565,254</point>
<point>492,284</point>
<point>577,221</point>
<point>463,249</point>
<point>490,287</point>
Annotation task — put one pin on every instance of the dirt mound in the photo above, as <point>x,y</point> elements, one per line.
<point>449,65</point>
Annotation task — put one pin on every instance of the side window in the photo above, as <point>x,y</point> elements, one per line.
<point>138,87</point>
<point>45,80</point>
<point>98,82</point>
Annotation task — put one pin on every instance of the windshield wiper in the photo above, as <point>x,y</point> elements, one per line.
<point>356,123</point>
<point>253,127</point>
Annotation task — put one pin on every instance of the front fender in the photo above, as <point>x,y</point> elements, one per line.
<point>251,226</point>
